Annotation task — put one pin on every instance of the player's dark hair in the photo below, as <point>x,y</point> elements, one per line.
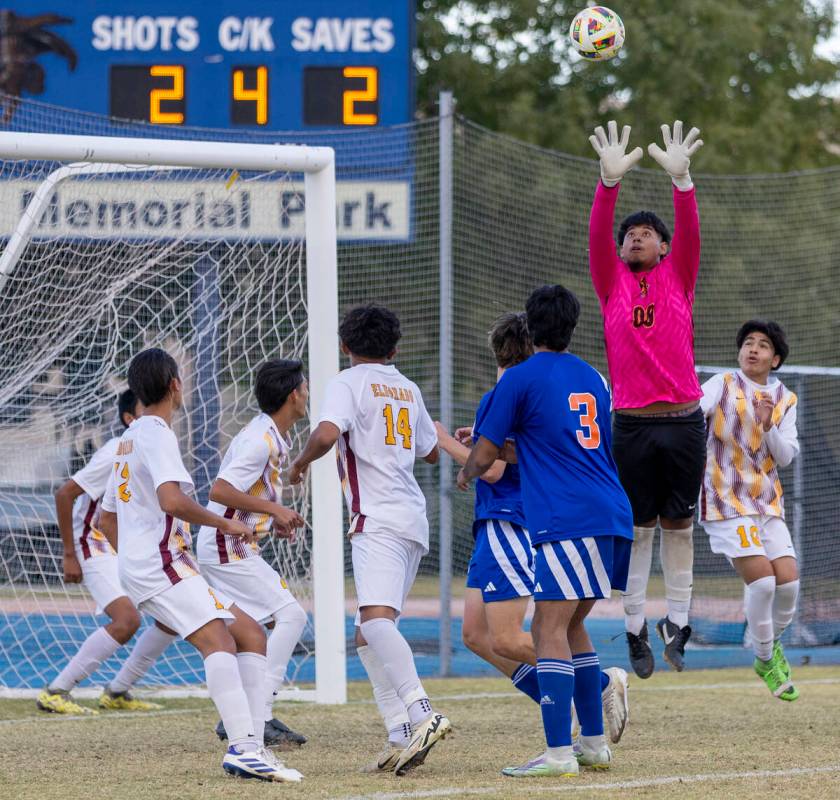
<point>150,374</point>
<point>647,218</point>
<point>510,340</point>
<point>552,313</point>
<point>370,331</point>
<point>276,380</point>
<point>126,404</point>
<point>772,330</point>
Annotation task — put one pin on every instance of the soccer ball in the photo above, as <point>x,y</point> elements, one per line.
<point>597,33</point>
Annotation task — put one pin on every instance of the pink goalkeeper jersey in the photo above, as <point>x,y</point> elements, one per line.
<point>648,319</point>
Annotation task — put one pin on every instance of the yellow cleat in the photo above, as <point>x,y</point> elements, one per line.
<point>60,702</point>
<point>123,701</point>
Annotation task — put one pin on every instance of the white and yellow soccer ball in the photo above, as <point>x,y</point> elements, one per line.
<point>597,33</point>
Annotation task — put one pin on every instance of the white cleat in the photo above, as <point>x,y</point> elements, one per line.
<point>287,774</point>
<point>615,703</point>
<point>386,760</point>
<point>258,764</point>
<point>425,736</point>
<point>596,758</point>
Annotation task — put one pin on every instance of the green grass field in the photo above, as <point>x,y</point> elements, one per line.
<point>701,734</point>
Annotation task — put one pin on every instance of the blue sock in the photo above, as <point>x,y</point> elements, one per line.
<point>557,685</point>
<point>588,680</point>
<point>525,679</point>
<point>605,680</point>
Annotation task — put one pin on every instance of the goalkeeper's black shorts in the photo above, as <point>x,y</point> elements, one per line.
<point>661,461</point>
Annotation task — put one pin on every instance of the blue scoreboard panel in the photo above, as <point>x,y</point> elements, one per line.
<point>285,65</point>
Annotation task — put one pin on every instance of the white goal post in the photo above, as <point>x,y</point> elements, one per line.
<point>95,155</point>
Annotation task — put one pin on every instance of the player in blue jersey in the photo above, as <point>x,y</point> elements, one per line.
<point>500,577</point>
<point>556,407</point>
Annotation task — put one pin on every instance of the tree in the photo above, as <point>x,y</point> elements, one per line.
<point>744,72</point>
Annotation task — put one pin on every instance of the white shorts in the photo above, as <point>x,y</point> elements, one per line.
<point>187,606</point>
<point>252,584</point>
<point>102,580</point>
<point>750,536</point>
<point>384,568</point>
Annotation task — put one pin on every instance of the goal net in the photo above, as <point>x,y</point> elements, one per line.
<point>209,262</point>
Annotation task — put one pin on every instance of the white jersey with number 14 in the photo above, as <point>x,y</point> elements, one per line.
<point>384,426</point>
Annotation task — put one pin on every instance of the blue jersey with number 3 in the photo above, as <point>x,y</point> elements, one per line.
<point>557,408</point>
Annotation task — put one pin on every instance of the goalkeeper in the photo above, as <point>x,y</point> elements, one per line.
<point>647,295</point>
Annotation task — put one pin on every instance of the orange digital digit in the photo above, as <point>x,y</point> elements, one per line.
<point>173,93</point>
<point>369,94</point>
<point>258,95</point>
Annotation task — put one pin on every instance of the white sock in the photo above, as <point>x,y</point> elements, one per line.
<point>397,660</point>
<point>145,652</point>
<point>784,606</point>
<point>97,648</point>
<point>593,742</point>
<point>676,552</point>
<point>561,753</point>
<point>634,597</point>
<point>224,684</point>
<point>759,610</point>
<point>391,708</point>
<point>289,623</point>
<point>252,672</point>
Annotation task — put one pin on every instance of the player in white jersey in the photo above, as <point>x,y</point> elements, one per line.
<point>90,559</point>
<point>146,507</point>
<point>248,488</point>
<point>751,424</point>
<point>377,418</point>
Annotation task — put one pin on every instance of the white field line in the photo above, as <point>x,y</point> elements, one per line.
<point>201,692</point>
<point>135,715</point>
<point>565,786</point>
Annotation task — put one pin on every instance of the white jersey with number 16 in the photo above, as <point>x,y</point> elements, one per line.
<point>384,426</point>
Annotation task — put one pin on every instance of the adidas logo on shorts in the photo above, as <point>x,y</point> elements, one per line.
<point>537,588</point>
<point>546,700</point>
<point>490,587</point>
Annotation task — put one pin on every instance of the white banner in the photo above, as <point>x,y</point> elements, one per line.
<point>154,209</point>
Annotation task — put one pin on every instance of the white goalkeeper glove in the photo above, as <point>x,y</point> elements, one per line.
<point>675,159</point>
<point>615,161</point>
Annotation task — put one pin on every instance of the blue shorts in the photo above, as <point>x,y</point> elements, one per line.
<point>502,563</point>
<point>580,569</point>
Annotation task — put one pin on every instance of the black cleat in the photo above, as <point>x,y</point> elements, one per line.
<point>675,639</point>
<point>277,734</point>
<point>641,656</point>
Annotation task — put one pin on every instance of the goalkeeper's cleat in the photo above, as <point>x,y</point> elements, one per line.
<point>594,758</point>
<point>424,738</point>
<point>258,764</point>
<point>58,701</point>
<point>777,682</point>
<point>275,734</point>
<point>124,701</point>
<point>641,656</point>
<point>278,734</point>
<point>675,639</point>
<point>615,703</point>
<point>780,658</point>
<point>544,767</point>
<point>386,760</point>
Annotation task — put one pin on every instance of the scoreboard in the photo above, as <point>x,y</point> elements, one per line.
<point>287,65</point>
